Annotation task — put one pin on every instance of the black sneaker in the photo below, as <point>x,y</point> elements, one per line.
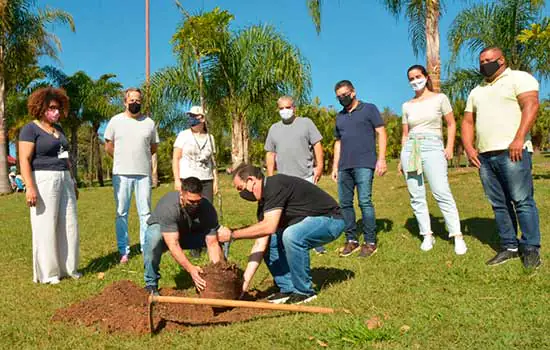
<point>154,290</point>
<point>531,259</point>
<point>297,298</point>
<point>278,298</point>
<point>502,257</point>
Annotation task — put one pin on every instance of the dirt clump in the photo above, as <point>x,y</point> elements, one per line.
<point>122,308</point>
<point>223,281</point>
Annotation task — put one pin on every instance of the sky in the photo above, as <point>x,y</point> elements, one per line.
<point>360,41</point>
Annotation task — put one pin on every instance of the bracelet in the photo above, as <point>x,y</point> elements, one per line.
<point>231,238</point>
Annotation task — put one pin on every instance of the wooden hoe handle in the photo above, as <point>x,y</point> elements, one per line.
<point>239,303</point>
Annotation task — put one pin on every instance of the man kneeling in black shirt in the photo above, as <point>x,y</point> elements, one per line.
<point>181,220</point>
<point>294,216</point>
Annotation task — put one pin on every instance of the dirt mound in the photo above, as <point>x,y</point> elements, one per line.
<point>223,281</point>
<point>122,307</point>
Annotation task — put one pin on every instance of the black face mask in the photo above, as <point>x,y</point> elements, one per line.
<point>134,107</point>
<point>345,101</point>
<point>247,195</point>
<point>191,209</point>
<point>489,69</point>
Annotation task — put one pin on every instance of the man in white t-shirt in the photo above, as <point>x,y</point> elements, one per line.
<point>503,109</point>
<point>131,138</point>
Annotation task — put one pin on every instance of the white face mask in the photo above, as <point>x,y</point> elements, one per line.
<point>418,84</point>
<point>286,113</point>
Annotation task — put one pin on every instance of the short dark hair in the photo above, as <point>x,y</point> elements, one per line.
<point>343,83</point>
<point>245,170</point>
<point>491,48</point>
<point>192,185</point>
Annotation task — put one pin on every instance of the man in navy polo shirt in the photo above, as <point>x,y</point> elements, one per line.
<point>355,163</point>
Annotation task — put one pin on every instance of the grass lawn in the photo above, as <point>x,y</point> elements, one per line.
<point>433,300</point>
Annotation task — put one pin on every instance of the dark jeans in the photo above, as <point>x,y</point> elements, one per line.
<point>361,178</point>
<point>509,187</point>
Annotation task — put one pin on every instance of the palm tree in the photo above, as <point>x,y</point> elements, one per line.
<point>91,101</point>
<point>242,69</point>
<point>503,24</point>
<point>103,100</point>
<point>23,38</point>
<point>423,17</point>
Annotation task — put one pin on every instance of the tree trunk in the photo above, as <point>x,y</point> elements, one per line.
<point>74,150</point>
<point>239,142</point>
<point>432,43</point>
<point>4,182</point>
<point>99,158</point>
<point>91,156</point>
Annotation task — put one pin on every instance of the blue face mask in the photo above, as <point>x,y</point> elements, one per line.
<point>193,121</point>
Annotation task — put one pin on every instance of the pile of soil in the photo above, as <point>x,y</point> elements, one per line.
<point>223,281</point>
<point>122,307</point>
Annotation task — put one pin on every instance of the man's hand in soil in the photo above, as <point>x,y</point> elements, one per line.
<point>224,234</point>
<point>195,272</point>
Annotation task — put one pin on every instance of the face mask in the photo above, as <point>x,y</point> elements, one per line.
<point>489,69</point>
<point>345,101</point>
<point>193,121</point>
<point>418,84</point>
<point>191,209</point>
<point>134,107</point>
<point>247,195</point>
<point>286,113</point>
<point>52,115</point>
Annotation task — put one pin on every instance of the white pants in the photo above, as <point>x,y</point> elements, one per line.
<point>55,242</point>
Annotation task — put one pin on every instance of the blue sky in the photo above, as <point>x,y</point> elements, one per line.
<point>359,41</point>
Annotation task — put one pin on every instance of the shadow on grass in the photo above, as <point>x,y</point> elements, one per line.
<point>382,225</point>
<point>104,263</point>
<point>482,229</point>
<point>541,176</point>
<point>324,277</point>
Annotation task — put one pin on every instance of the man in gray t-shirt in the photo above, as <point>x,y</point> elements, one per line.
<point>292,144</point>
<point>181,220</point>
<point>131,138</point>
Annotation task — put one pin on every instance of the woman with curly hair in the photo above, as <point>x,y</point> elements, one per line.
<point>51,189</point>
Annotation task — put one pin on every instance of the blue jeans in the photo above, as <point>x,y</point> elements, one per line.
<point>434,165</point>
<point>509,187</point>
<point>154,247</point>
<point>124,186</point>
<point>361,178</point>
<point>287,257</point>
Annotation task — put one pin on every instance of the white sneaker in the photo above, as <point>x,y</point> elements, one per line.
<point>76,275</point>
<point>52,280</point>
<point>460,246</point>
<point>427,243</point>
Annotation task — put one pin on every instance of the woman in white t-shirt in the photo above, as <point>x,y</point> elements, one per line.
<point>193,151</point>
<point>423,156</point>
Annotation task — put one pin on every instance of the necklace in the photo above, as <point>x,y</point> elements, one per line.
<point>52,131</point>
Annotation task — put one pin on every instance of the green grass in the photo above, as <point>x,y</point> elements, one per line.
<point>449,302</point>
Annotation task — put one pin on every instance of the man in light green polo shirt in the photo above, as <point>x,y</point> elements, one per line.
<point>502,110</point>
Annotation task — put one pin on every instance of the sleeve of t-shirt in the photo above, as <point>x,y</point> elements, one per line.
<point>213,144</point>
<point>269,142</point>
<point>404,118</point>
<point>109,133</point>
<point>28,133</point>
<point>524,82</point>
<point>375,117</point>
<point>209,219</point>
<point>168,220</point>
<point>180,140</point>
<point>337,135</point>
<point>155,136</point>
<point>314,134</point>
<point>470,107</point>
<point>276,195</point>
<point>446,107</point>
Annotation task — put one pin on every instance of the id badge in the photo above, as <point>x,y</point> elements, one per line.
<point>63,155</point>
